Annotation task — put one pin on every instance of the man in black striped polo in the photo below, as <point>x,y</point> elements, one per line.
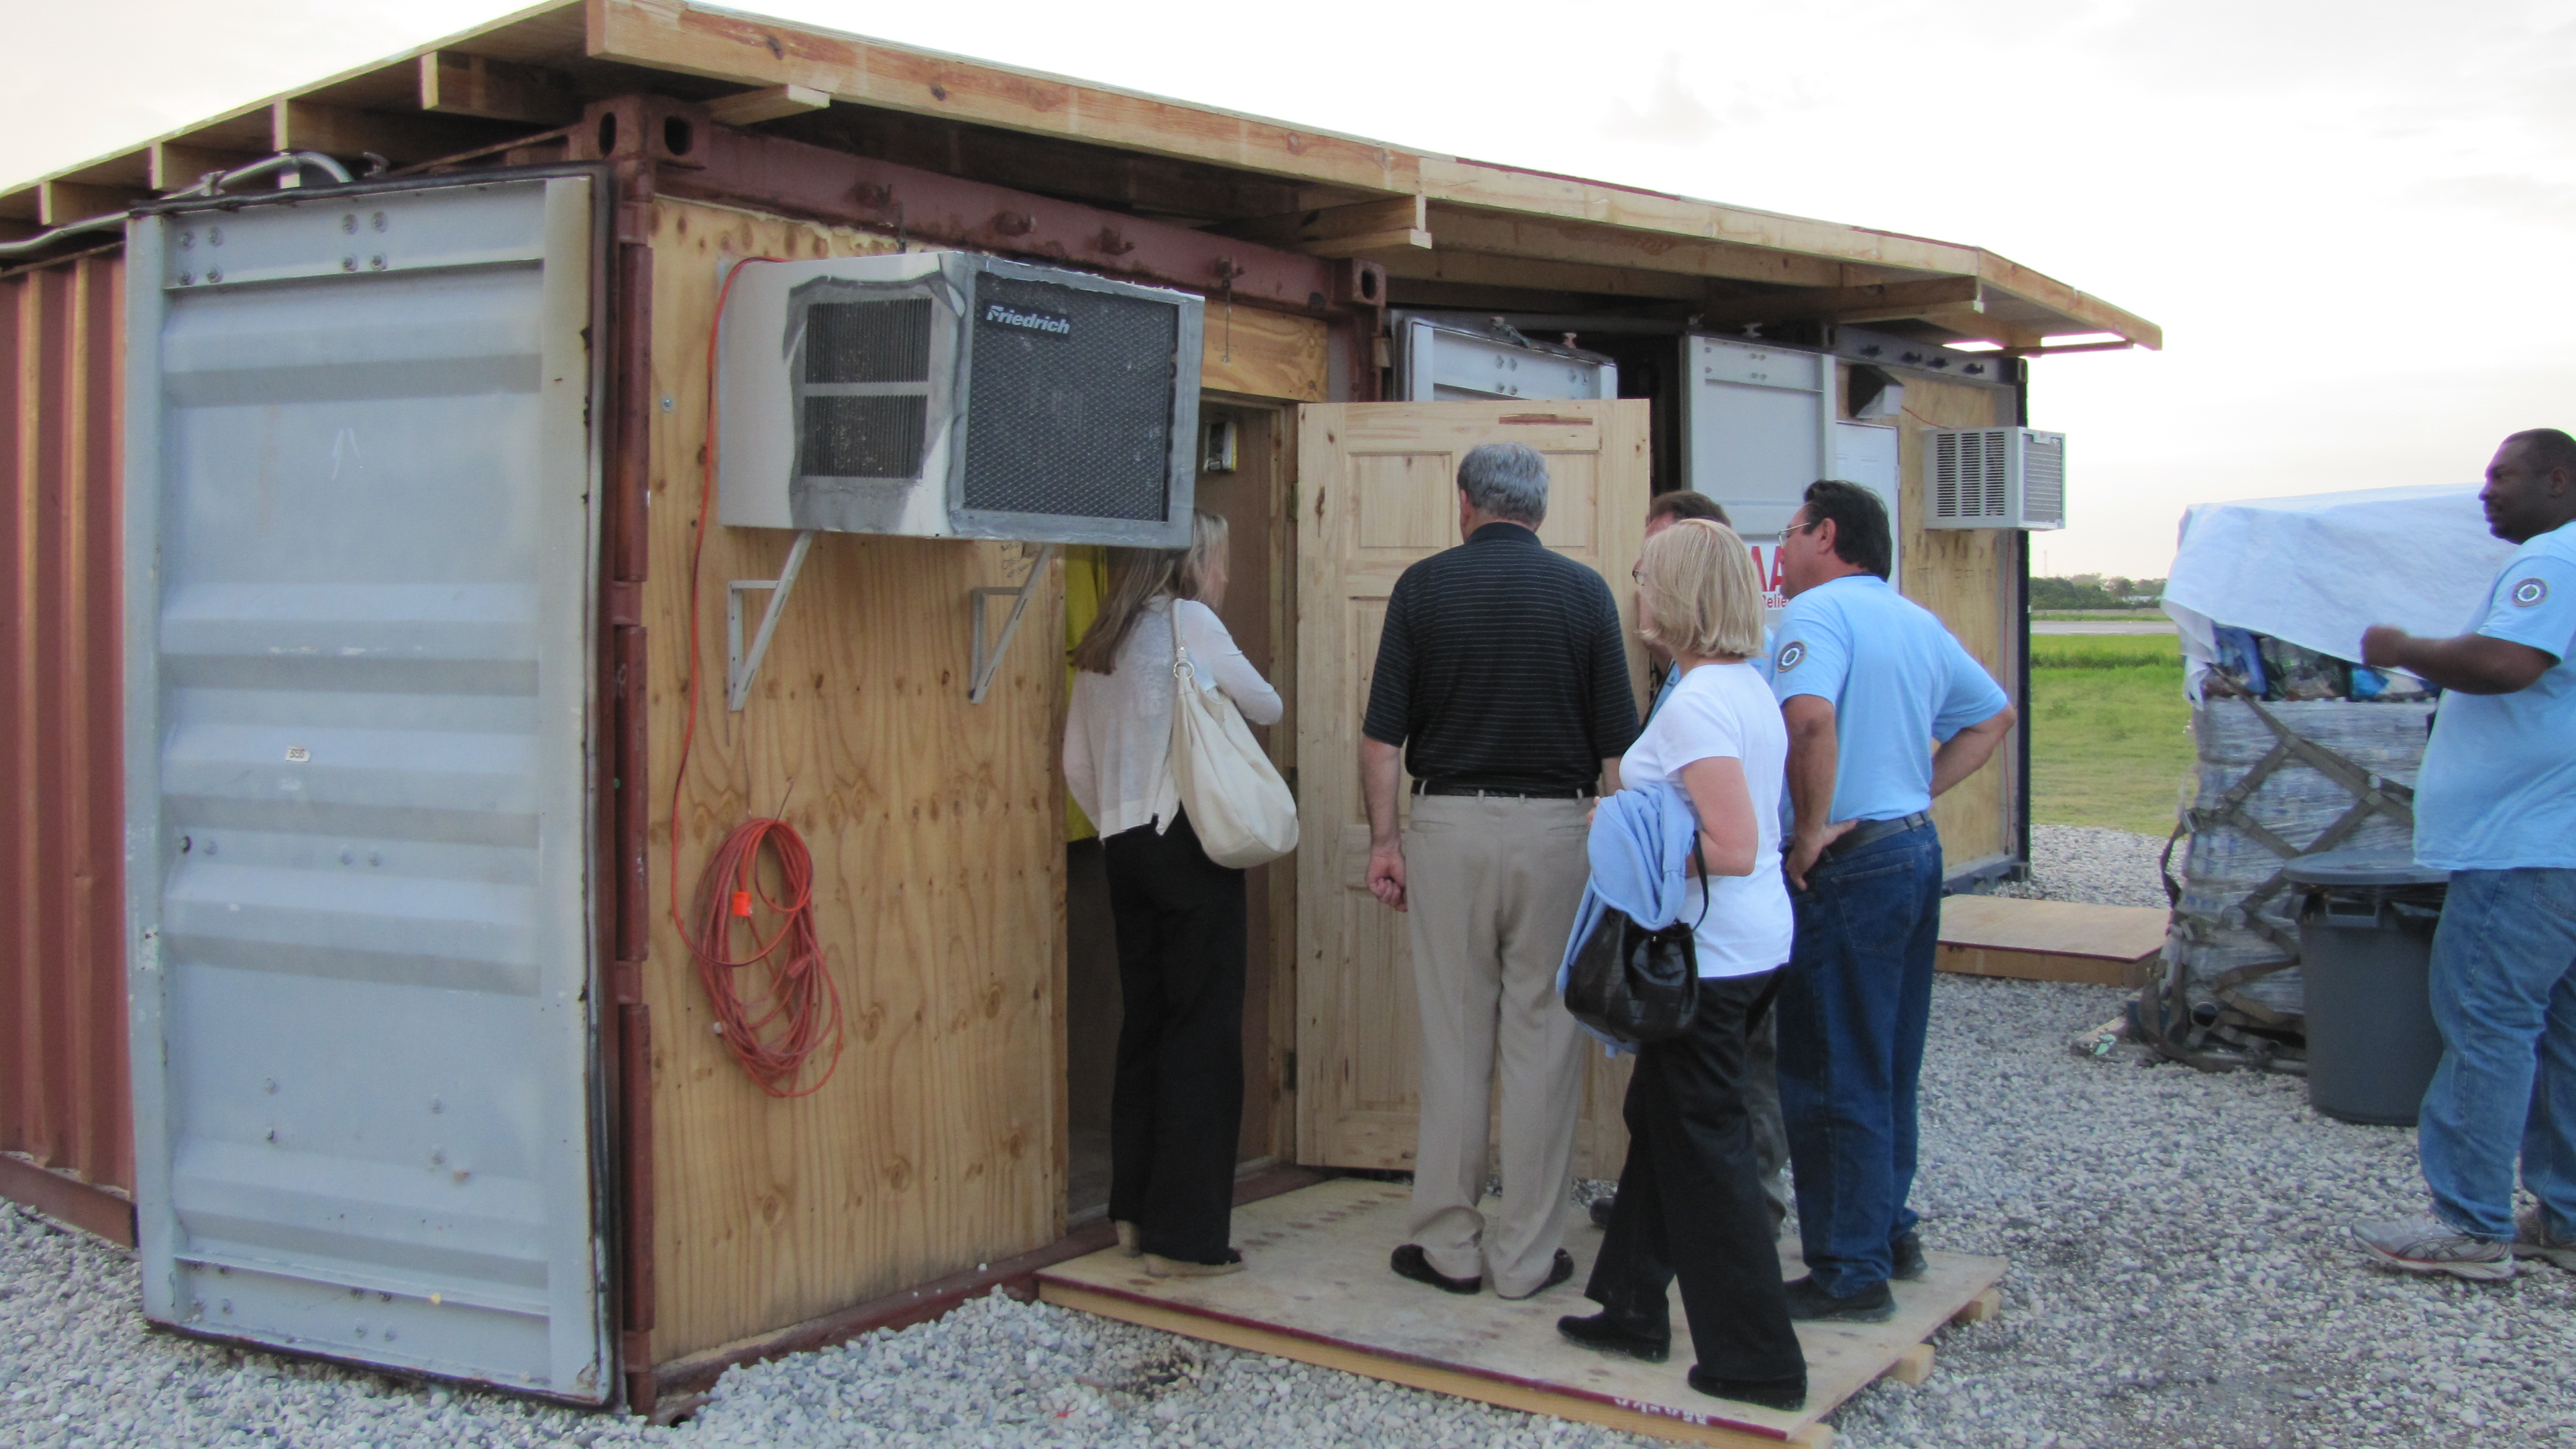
<point>1502,684</point>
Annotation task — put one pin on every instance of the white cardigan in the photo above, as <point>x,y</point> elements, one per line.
<point>1118,735</point>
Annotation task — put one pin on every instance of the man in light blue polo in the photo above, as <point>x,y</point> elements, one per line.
<point>1868,681</point>
<point>2495,805</point>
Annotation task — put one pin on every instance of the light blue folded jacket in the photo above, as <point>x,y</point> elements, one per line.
<point>1640,839</point>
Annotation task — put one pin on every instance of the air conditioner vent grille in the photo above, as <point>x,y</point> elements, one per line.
<point>868,341</point>
<point>1073,391</point>
<point>2043,480</point>
<point>1996,478</point>
<point>864,437</point>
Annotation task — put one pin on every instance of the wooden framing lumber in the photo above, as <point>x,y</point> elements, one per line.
<point>1495,270</point>
<point>457,84</point>
<point>176,165</point>
<point>1875,302</point>
<point>1464,229</point>
<point>1343,231</point>
<point>2049,940</point>
<point>86,1206</point>
<point>750,108</point>
<point>401,139</point>
<point>60,203</point>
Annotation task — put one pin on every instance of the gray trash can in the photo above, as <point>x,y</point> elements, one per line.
<point>2365,951</point>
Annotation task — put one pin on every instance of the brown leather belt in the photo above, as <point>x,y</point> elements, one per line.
<point>1443,787</point>
<point>1871,830</point>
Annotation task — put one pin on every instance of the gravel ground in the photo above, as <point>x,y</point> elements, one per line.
<point>2083,863</point>
<point>2180,1277</point>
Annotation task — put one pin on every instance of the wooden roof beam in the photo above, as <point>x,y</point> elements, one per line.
<point>1464,229</point>
<point>454,83</point>
<point>1875,302</point>
<point>401,139</point>
<point>1397,223</point>
<point>769,103</point>
<point>176,165</point>
<point>60,203</point>
<point>1539,275</point>
<point>751,51</point>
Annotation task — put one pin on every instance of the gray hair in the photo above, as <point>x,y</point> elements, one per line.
<point>1506,480</point>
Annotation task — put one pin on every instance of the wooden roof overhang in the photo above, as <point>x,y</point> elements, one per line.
<point>1447,230</point>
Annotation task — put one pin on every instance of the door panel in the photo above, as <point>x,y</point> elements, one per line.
<point>1377,492</point>
<point>359,544</point>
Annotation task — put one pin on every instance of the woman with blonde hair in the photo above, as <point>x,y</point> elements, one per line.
<point>1690,1203</point>
<point>1176,1105</point>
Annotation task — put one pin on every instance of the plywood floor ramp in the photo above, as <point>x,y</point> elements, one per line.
<point>1317,1290</point>
<point>2050,940</point>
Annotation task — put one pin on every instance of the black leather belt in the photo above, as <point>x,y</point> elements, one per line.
<point>1443,787</point>
<point>1869,830</point>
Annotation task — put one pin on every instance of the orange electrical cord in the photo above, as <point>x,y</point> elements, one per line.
<point>801,1010</point>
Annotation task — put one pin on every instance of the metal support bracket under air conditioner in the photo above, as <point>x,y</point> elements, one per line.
<point>740,668</point>
<point>987,659</point>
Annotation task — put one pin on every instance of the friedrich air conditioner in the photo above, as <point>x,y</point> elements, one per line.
<point>1994,478</point>
<point>951,395</point>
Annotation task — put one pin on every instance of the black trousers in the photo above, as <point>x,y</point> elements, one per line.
<point>1177,1105</point>
<point>1690,1197</point>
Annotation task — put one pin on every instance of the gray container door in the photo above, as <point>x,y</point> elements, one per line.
<point>358,623</point>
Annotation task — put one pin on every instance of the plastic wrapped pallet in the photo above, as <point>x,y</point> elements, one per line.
<point>2275,780</point>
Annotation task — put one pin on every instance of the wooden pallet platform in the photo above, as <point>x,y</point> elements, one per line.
<point>2049,940</point>
<point>1317,1290</point>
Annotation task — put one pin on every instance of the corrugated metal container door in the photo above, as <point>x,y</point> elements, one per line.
<point>359,574</point>
<point>63,1085</point>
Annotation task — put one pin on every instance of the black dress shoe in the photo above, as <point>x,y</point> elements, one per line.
<point>1602,1207</point>
<point>1907,1251</point>
<point>1788,1393</point>
<point>1809,1303</point>
<point>1411,1262</point>
<point>1598,1332</point>
<point>1559,1268</point>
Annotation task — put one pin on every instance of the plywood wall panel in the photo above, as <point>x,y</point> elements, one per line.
<point>937,834</point>
<point>1965,576</point>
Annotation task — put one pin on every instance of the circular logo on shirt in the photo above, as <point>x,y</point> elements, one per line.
<point>1792,654</point>
<point>2530,592</point>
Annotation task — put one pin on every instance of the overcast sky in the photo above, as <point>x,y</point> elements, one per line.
<point>2352,220</point>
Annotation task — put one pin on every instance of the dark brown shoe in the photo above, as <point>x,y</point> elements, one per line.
<point>1411,1262</point>
<point>1559,1268</point>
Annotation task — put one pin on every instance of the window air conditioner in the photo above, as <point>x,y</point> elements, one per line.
<point>952,395</point>
<point>1994,478</point>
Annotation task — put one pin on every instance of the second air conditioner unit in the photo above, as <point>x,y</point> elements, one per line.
<point>1994,478</point>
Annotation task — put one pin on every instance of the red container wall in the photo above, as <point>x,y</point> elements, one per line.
<point>64,1095</point>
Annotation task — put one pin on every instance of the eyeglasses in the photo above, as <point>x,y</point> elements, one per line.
<point>1805,527</point>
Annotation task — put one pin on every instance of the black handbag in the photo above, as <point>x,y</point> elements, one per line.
<point>1635,985</point>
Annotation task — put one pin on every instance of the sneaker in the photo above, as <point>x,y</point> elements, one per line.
<point>1599,1332</point>
<point>2533,1239</point>
<point>1810,1303</point>
<point>1411,1262</point>
<point>1789,1393</point>
<point>1911,1265</point>
<point>1559,1268</point>
<point>2429,1245</point>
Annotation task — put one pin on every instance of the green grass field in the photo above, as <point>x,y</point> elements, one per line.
<point>2109,738</point>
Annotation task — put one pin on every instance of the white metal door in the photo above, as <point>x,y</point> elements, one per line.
<point>359,545</point>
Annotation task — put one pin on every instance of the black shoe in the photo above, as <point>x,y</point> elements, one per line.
<point>1559,1268</point>
<point>1411,1262</point>
<point>1907,1251</point>
<point>1809,1303</point>
<point>1598,1332</point>
<point>1788,1393</point>
<point>1601,1210</point>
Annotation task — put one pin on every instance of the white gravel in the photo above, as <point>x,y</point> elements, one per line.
<point>2180,1277</point>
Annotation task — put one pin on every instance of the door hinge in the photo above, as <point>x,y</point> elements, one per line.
<point>1288,1069</point>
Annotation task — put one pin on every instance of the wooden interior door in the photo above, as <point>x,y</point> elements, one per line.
<point>1377,491</point>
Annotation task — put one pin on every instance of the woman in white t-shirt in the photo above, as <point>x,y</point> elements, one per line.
<point>1690,1202</point>
<point>1176,1106</point>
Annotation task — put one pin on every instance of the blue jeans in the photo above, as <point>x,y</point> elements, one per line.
<point>2504,997</point>
<point>1854,1006</point>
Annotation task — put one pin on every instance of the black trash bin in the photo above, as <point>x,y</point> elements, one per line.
<point>2365,953</point>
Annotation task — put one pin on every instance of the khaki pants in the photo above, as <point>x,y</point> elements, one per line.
<point>1492,885</point>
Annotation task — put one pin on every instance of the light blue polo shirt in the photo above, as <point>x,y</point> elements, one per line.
<point>1897,681</point>
<point>2498,789</point>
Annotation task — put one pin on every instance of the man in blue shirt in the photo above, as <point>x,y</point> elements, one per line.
<point>2495,805</point>
<point>1868,681</point>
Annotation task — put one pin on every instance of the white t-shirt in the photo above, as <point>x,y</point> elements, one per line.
<point>1726,710</point>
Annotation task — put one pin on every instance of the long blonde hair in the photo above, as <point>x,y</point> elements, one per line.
<point>1139,575</point>
<point>1698,581</point>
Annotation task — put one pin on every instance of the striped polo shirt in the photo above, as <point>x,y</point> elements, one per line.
<point>1502,667</point>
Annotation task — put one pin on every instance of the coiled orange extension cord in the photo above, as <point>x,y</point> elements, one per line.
<point>800,1011</point>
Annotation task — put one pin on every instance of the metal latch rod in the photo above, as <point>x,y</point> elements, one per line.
<point>739,667</point>
<point>987,660</point>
